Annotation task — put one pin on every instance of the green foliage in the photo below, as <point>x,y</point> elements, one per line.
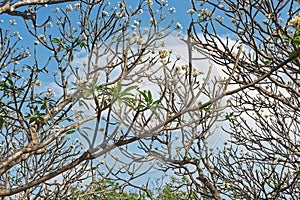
<point>207,108</point>
<point>1,122</point>
<point>149,103</point>
<point>62,44</point>
<point>104,189</point>
<point>116,94</point>
<point>111,190</point>
<point>59,42</point>
<point>229,116</point>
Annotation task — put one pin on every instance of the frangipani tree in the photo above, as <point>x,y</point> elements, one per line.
<point>262,158</point>
<point>74,89</point>
<point>91,92</point>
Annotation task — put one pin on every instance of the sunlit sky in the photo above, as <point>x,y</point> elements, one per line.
<point>178,13</point>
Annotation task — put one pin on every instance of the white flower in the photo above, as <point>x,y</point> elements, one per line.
<point>16,62</point>
<point>77,6</point>
<point>49,25</point>
<point>122,5</point>
<point>104,13</point>
<point>191,11</point>
<point>36,42</point>
<point>140,11</point>
<point>172,10</point>
<point>49,90</point>
<point>38,83</point>
<point>84,36</point>
<point>136,23</point>
<point>146,30</point>
<point>184,67</point>
<point>163,53</point>
<point>149,2</point>
<point>269,15</point>
<point>55,10</point>
<point>206,12</point>
<point>219,19</point>
<point>13,22</point>
<point>152,21</point>
<point>295,22</point>
<point>69,7</point>
<point>233,20</point>
<point>117,157</point>
<point>43,37</point>
<point>178,25</point>
<point>139,41</point>
<point>160,34</point>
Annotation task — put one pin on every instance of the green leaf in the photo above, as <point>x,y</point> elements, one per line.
<point>229,116</point>
<point>293,53</point>
<point>155,112</point>
<point>87,128</point>
<point>55,40</point>
<point>94,82</point>
<point>129,89</point>
<point>296,40</point>
<point>139,107</point>
<point>88,93</point>
<point>144,95</point>
<point>10,82</point>
<point>266,23</point>
<point>208,108</point>
<point>71,131</point>
<point>119,101</point>
<point>119,86</point>
<point>157,101</point>
<point>150,97</point>
<point>267,62</point>
<point>71,57</point>
<point>297,173</point>
<point>1,122</point>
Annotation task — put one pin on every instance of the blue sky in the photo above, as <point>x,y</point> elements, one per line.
<point>180,16</point>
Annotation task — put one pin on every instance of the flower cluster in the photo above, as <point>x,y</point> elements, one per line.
<point>172,10</point>
<point>139,40</point>
<point>69,7</point>
<point>163,53</point>
<point>295,22</point>
<point>149,2</point>
<point>183,69</point>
